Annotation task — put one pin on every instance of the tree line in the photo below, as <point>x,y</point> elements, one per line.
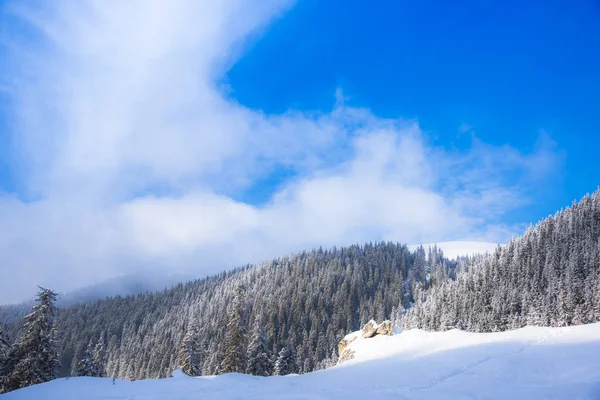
<point>550,276</point>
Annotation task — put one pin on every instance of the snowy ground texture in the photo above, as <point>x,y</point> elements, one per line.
<point>530,363</point>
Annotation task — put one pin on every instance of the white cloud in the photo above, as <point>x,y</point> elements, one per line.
<point>116,99</point>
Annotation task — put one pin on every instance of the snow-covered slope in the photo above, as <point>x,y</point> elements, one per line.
<point>457,248</point>
<point>530,363</point>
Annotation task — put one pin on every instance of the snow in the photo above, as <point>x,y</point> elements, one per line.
<point>454,249</point>
<point>529,363</point>
<point>352,336</point>
<point>178,374</point>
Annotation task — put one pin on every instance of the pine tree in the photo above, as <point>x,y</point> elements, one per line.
<point>36,355</point>
<point>286,361</point>
<point>99,359</point>
<point>211,363</point>
<point>4,354</point>
<point>258,354</point>
<point>85,365</point>
<point>234,359</point>
<point>189,352</point>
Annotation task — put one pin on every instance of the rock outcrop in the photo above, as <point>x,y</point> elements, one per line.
<point>385,328</point>
<point>348,354</point>
<point>346,341</point>
<point>371,329</point>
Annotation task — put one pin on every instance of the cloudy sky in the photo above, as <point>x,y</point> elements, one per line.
<point>188,137</point>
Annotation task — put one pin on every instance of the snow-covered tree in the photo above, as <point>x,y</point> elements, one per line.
<point>259,355</point>
<point>36,355</point>
<point>85,365</point>
<point>4,354</point>
<point>286,361</point>
<point>189,352</point>
<point>99,359</point>
<point>211,365</point>
<point>234,359</point>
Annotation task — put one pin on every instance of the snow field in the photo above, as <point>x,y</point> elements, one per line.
<point>529,363</point>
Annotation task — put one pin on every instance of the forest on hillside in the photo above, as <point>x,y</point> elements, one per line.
<point>287,315</point>
<point>304,303</point>
<point>549,276</point>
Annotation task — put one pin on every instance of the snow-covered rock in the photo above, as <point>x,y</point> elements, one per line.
<point>385,328</point>
<point>371,329</point>
<point>349,338</point>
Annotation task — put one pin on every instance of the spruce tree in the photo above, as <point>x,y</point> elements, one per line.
<point>258,354</point>
<point>36,355</point>
<point>4,353</point>
<point>85,365</point>
<point>189,352</point>
<point>77,355</point>
<point>99,359</point>
<point>234,359</point>
<point>286,361</point>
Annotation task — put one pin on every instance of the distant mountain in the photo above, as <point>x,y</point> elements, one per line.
<point>125,285</point>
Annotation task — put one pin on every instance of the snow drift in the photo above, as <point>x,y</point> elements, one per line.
<point>529,363</point>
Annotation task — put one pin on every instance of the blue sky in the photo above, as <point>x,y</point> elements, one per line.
<point>189,137</point>
<point>507,70</point>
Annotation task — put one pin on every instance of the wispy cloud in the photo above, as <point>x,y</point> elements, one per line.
<point>114,100</point>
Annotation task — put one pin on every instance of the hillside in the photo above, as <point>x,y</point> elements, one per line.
<point>549,276</point>
<point>305,303</point>
<point>309,300</point>
<point>529,363</point>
